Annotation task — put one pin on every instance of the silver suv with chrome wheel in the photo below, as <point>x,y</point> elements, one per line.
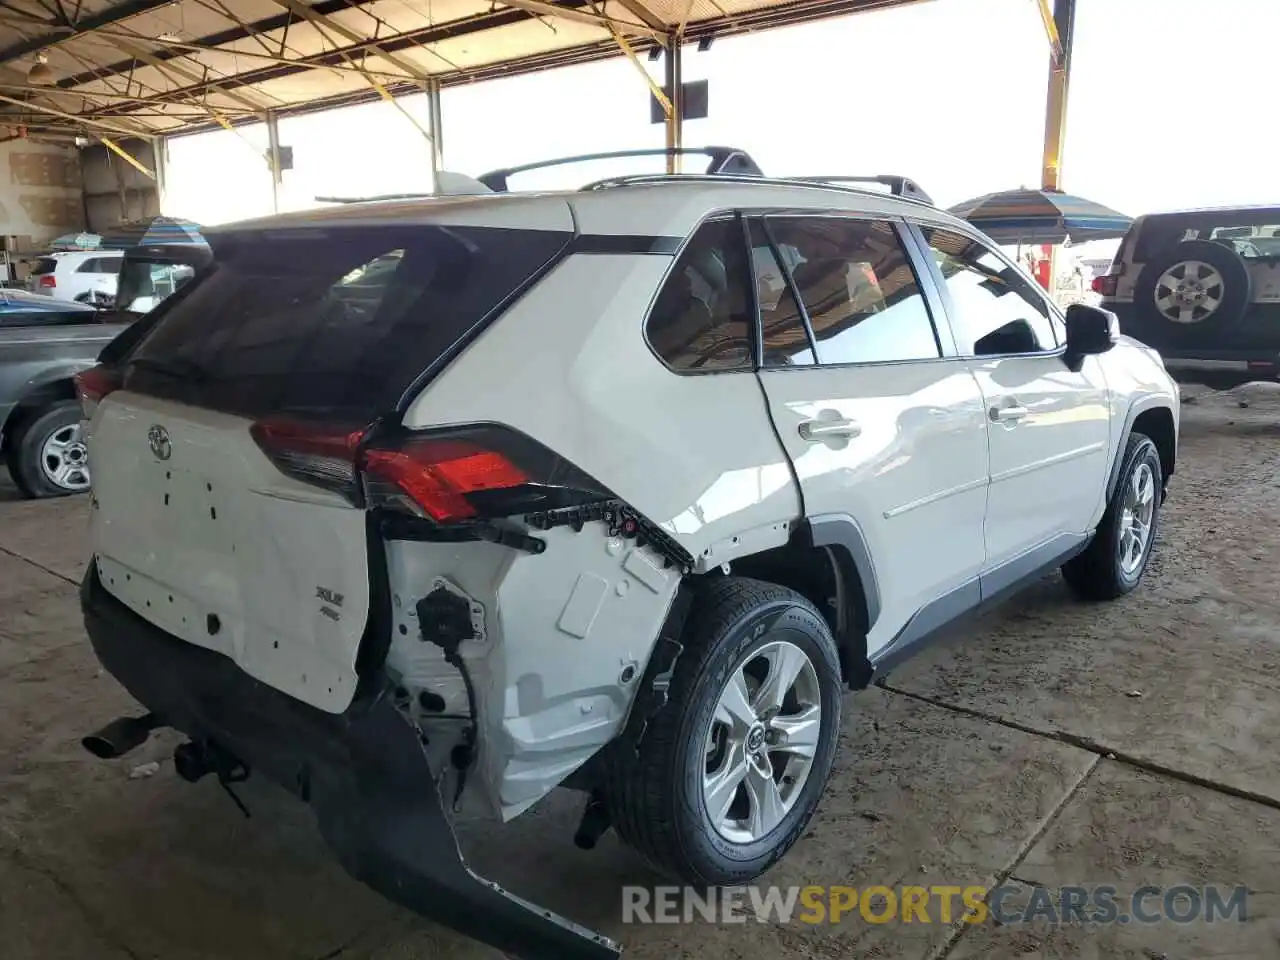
<point>44,343</point>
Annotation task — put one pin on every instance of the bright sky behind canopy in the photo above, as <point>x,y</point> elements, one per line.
<point>1170,107</point>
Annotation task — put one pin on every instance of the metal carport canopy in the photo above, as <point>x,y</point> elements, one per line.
<point>121,68</point>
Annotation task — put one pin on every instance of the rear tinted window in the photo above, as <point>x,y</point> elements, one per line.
<point>44,265</point>
<point>1251,232</point>
<point>701,320</point>
<point>335,323</point>
<point>109,265</point>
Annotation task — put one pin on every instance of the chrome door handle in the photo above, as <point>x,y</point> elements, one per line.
<point>821,429</point>
<point>1008,414</point>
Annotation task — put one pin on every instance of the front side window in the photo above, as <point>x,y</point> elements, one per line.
<point>701,320</point>
<point>995,310</point>
<point>858,289</point>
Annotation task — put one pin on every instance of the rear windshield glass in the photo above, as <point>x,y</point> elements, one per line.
<point>44,265</point>
<point>338,323</point>
<point>1252,233</point>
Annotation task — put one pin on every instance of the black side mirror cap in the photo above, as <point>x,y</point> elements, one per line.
<point>1090,331</point>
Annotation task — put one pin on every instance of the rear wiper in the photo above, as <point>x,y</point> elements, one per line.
<point>184,369</point>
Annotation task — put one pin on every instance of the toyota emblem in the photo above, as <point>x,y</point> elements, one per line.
<point>158,440</point>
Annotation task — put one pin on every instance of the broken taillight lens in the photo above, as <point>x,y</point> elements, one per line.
<point>319,454</point>
<point>93,385</point>
<point>477,472</point>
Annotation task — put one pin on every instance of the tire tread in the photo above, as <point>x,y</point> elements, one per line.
<point>640,778</point>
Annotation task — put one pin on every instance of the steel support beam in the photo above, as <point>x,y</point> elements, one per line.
<point>160,154</point>
<point>234,34</point>
<point>672,59</point>
<point>273,159</point>
<point>59,33</point>
<point>130,159</point>
<point>437,130</point>
<point>1055,115</point>
<point>590,18</point>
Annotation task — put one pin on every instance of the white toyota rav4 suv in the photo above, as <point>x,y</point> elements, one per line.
<point>617,489</point>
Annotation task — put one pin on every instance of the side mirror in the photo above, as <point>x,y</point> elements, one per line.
<point>1090,331</point>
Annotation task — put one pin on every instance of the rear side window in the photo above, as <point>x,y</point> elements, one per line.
<point>858,289</point>
<point>110,265</point>
<point>701,319</point>
<point>335,323</point>
<point>1253,234</point>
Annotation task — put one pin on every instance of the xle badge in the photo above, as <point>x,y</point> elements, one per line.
<point>327,596</point>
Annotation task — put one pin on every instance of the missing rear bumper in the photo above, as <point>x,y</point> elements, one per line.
<point>364,773</point>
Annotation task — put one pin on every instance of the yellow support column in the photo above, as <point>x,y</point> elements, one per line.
<point>1060,27</point>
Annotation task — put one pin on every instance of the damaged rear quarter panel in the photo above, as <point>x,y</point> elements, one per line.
<point>695,455</point>
<point>567,636</point>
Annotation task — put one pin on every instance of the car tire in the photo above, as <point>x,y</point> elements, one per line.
<point>1109,568</point>
<point>41,436</point>
<point>1200,271</point>
<point>737,630</point>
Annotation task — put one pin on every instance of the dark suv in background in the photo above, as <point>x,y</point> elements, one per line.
<point>1203,288</point>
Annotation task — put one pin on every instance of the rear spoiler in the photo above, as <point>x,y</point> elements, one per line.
<point>720,160</point>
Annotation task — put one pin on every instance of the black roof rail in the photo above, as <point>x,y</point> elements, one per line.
<point>898,185</point>
<point>815,183</point>
<point>721,160</point>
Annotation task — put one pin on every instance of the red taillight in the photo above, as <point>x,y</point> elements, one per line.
<point>47,280</point>
<point>314,453</point>
<point>483,471</point>
<point>438,475</point>
<point>1105,285</point>
<point>93,385</point>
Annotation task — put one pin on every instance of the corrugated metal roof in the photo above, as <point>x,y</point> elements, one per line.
<point>142,67</point>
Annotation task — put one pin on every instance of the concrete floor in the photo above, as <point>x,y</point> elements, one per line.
<point>1054,743</point>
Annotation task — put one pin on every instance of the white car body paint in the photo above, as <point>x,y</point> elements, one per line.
<point>941,491</point>
<point>72,281</point>
<point>216,530</point>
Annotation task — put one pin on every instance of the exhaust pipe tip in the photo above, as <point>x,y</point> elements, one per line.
<point>120,736</point>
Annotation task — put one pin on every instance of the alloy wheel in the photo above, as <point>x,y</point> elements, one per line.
<point>762,740</point>
<point>1136,516</point>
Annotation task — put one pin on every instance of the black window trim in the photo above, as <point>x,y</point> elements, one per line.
<point>1054,316</point>
<point>943,336</point>
<point>790,282</point>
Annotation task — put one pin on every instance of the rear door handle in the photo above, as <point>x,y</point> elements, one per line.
<point>1008,414</point>
<point>817,430</point>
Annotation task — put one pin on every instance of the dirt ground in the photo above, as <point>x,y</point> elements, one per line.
<point>1053,743</point>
